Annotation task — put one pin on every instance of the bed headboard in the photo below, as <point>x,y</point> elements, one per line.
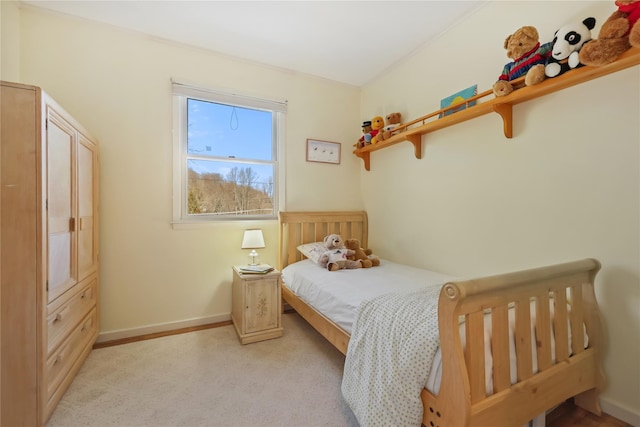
<point>297,228</point>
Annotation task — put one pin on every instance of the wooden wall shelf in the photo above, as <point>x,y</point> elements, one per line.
<point>414,130</point>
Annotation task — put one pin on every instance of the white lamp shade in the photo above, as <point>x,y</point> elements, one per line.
<point>252,239</point>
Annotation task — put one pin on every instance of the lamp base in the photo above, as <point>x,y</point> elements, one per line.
<point>253,255</point>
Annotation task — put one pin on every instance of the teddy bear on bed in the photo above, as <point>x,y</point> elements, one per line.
<point>618,34</point>
<point>375,260</point>
<point>336,256</point>
<point>529,58</point>
<point>358,253</point>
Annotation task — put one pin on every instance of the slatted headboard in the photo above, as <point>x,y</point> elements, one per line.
<point>297,228</point>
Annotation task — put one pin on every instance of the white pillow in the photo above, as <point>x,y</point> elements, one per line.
<point>313,251</point>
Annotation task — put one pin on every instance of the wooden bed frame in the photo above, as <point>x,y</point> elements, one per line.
<point>577,371</point>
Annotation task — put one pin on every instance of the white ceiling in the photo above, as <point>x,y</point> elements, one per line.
<point>347,41</point>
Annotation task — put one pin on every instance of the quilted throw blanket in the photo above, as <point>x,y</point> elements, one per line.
<point>392,345</point>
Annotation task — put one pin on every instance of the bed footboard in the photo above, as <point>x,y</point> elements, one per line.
<point>550,307</point>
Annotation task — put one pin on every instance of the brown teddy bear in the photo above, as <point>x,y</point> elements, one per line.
<point>375,261</point>
<point>359,253</point>
<point>529,58</point>
<point>335,257</point>
<point>618,33</point>
<point>393,120</point>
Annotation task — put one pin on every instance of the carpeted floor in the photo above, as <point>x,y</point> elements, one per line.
<point>207,378</point>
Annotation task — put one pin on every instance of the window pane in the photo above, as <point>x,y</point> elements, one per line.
<point>227,131</point>
<point>229,188</point>
<point>227,147</point>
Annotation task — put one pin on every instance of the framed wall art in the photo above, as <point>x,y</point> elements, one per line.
<point>458,100</point>
<point>323,151</point>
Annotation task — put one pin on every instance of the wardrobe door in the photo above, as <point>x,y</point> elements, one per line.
<point>62,269</point>
<point>87,207</point>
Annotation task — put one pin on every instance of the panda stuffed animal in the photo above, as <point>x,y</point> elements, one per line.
<point>567,42</point>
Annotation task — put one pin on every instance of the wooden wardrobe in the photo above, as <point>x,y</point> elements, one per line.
<point>48,252</point>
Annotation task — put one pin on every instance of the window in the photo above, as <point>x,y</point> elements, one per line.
<point>226,156</point>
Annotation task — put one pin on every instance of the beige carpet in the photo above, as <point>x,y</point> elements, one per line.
<point>207,378</point>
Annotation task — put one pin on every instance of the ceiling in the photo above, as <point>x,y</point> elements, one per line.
<point>346,41</point>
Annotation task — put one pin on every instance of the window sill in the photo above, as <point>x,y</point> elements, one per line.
<point>189,225</point>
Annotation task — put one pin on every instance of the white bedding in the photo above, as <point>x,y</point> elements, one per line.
<point>338,294</point>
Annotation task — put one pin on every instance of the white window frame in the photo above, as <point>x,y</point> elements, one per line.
<point>180,93</point>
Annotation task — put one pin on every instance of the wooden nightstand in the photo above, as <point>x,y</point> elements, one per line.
<point>256,306</point>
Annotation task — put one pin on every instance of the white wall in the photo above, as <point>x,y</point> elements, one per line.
<point>565,187</point>
<point>117,83</point>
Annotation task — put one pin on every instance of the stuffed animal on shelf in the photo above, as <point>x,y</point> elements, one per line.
<point>618,34</point>
<point>335,257</point>
<point>377,123</point>
<point>365,139</point>
<point>358,253</point>
<point>393,120</point>
<point>529,58</point>
<point>567,42</point>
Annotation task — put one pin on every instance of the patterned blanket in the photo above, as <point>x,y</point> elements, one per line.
<point>392,345</point>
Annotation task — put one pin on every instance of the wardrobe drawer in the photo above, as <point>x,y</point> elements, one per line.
<point>62,320</point>
<point>61,361</point>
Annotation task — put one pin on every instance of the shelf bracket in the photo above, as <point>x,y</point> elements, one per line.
<point>506,112</point>
<point>416,140</point>
<point>366,159</point>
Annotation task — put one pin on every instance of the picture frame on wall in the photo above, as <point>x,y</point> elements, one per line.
<point>323,151</point>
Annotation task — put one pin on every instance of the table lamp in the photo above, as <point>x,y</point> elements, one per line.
<point>253,240</point>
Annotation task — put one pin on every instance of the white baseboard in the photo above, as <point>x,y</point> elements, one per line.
<point>161,327</point>
<point>621,412</point>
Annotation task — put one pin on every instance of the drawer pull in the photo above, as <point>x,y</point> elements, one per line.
<point>58,359</point>
<point>84,295</point>
<point>57,318</point>
<point>87,325</point>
